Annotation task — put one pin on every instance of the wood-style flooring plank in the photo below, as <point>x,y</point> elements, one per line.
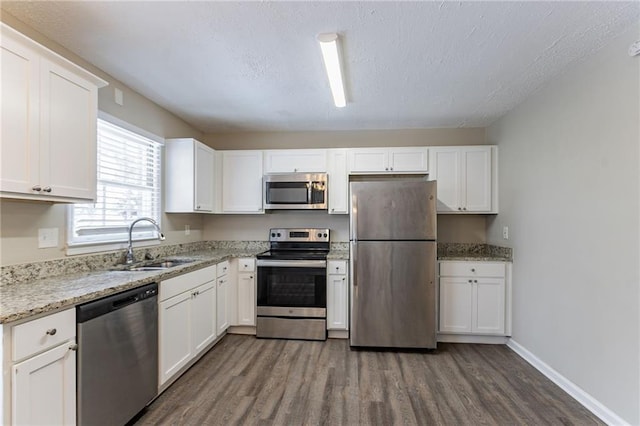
<point>249,381</point>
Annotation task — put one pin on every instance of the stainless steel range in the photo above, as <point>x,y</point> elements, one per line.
<point>292,285</point>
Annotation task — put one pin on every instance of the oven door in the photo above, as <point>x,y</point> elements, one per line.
<point>292,288</point>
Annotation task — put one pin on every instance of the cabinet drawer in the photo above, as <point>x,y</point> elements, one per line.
<point>246,264</point>
<point>337,267</point>
<point>223,268</point>
<point>43,333</point>
<point>472,269</point>
<point>182,283</point>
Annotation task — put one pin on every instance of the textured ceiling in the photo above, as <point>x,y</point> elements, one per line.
<point>232,66</point>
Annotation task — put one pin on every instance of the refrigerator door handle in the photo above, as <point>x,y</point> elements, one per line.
<point>353,217</point>
<point>354,261</point>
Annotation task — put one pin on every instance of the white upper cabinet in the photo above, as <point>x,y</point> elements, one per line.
<point>242,182</point>
<point>466,177</point>
<point>49,118</point>
<point>295,160</point>
<point>338,181</point>
<point>389,160</point>
<point>189,175</point>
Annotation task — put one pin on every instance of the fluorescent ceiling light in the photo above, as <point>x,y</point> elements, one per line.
<point>329,45</point>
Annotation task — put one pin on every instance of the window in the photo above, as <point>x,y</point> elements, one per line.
<point>128,188</point>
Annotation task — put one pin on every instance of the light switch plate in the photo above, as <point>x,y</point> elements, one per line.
<point>47,237</point>
<point>505,232</point>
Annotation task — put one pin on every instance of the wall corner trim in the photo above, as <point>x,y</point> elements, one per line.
<point>589,402</point>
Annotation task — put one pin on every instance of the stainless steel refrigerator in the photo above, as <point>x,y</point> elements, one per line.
<point>393,264</point>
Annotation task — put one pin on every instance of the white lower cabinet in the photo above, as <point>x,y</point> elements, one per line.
<point>337,295</point>
<point>43,371</point>
<point>223,298</point>
<point>186,319</point>
<point>246,292</point>
<point>474,298</point>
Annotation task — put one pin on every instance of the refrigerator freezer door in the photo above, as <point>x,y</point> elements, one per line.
<point>393,210</point>
<point>393,294</point>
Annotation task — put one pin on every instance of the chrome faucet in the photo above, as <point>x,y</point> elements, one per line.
<point>129,256</point>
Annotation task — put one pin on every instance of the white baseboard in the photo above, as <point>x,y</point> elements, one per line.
<point>338,334</point>
<point>589,402</point>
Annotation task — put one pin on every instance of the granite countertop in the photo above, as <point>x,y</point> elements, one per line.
<point>474,252</point>
<point>340,254</point>
<point>29,298</point>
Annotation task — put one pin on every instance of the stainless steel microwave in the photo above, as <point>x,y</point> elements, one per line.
<point>295,191</point>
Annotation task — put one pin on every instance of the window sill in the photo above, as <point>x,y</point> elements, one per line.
<point>103,247</point>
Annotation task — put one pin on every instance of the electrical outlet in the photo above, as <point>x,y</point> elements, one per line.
<point>47,237</point>
<point>505,232</point>
<point>187,230</point>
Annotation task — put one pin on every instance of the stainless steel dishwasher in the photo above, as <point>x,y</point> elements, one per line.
<point>117,356</point>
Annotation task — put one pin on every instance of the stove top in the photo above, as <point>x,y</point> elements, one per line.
<point>297,244</point>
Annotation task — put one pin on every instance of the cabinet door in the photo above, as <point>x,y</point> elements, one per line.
<point>222,298</point>
<point>445,169</point>
<point>68,127</point>
<point>242,182</point>
<point>295,160</point>
<point>456,296</point>
<point>203,316</point>
<point>409,159</point>
<point>246,299</point>
<point>20,82</point>
<point>174,335</point>
<point>368,160</point>
<point>476,187</point>
<point>337,302</point>
<point>43,388</point>
<point>489,306</point>
<point>203,179</point>
<point>338,182</point>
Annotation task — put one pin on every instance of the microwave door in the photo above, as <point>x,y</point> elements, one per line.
<point>288,193</point>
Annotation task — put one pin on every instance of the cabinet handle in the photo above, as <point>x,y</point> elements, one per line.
<point>295,170</point>
<point>475,281</point>
<point>333,210</point>
<point>37,188</point>
<point>251,276</point>
<point>470,281</point>
<point>197,207</point>
<point>391,168</point>
<point>464,208</point>
<point>459,208</point>
<point>51,331</point>
<point>344,278</point>
<point>386,168</point>
<point>73,347</point>
<point>47,189</point>
<point>473,269</point>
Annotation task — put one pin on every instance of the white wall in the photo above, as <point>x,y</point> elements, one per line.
<point>569,192</point>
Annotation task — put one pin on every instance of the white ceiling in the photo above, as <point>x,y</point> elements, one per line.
<point>233,66</point>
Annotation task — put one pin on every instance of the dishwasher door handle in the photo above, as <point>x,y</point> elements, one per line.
<point>117,304</point>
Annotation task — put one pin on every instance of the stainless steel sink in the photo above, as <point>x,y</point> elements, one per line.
<point>157,265</point>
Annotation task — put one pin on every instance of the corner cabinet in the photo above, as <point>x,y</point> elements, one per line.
<point>467,178</point>
<point>43,371</point>
<point>189,181</point>
<point>389,160</point>
<point>242,182</point>
<point>49,117</point>
<point>475,298</point>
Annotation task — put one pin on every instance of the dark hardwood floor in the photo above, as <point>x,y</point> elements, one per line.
<point>244,380</point>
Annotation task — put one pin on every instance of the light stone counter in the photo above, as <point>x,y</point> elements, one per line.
<point>23,298</point>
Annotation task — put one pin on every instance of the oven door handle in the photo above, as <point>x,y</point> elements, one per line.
<point>292,263</point>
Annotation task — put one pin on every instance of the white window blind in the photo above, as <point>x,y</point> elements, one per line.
<point>128,188</point>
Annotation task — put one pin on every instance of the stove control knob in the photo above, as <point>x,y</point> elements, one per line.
<point>319,235</point>
<point>325,235</point>
<point>273,234</point>
<point>279,234</point>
